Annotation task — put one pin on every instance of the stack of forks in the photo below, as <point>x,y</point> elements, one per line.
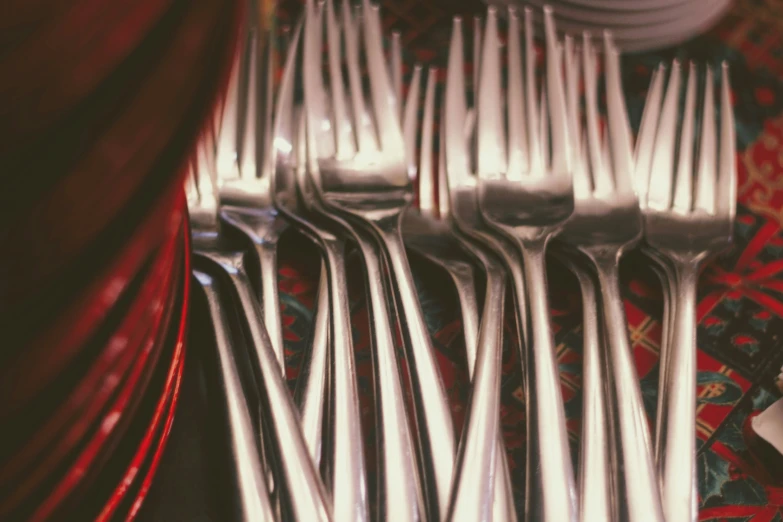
<point>527,164</point>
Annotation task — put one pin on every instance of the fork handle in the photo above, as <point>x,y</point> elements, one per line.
<point>254,502</point>
<point>551,494</point>
<point>348,468</point>
<point>678,462</point>
<point>313,391</point>
<point>595,479</point>
<point>270,300</point>
<point>477,470</point>
<point>397,459</point>
<point>503,508</point>
<point>303,485</point>
<point>434,417</point>
<point>666,276</point>
<point>636,486</point>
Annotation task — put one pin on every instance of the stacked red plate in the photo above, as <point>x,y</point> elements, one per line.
<point>100,105</point>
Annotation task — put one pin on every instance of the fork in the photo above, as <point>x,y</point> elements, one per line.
<point>606,224</point>
<point>595,474</point>
<point>688,220</point>
<point>399,487</point>
<point>247,184</point>
<point>365,181</point>
<point>661,266</point>
<point>526,200</point>
<point>429,232</point>
<point>253,502</point>
<point>303,486</point>
<point>243,178</point>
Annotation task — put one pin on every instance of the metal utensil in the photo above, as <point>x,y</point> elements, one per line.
<point>688,217</point>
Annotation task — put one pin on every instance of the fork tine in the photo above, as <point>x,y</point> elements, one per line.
<point>531,97</point>
<point>583,186</point>
<point>561,153</point>
<point>683,185</point>
<point>311,68</point>
<point>543,125</point>
<point>410,120</point>
<point>389,133</point>
<point>491,138</point>
<point>284,118</point>
<point>602,181</point>
<point>229,122</point>
<point>646,138</point>
<point>249,154</point>
<point>427,197</point>
<point>191,189</point>
<point>444,205</point>
<point>268,68</point>
<point>341,124</point>
<point>659,192</point>
<point>396,67</point>
<point>726,204</point>
<point>572,96</point>
<point>455,111</point>
<point>707,170</point>
<point>351,29</point>
<point>619,128</point>
<point>517,137</point>
<point>477,41</point>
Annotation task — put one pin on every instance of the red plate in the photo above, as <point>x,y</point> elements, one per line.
<point>97,453</point>
<point>153,444</point>
<point>65,427</point>
<point>94,449</point>
<point>23,378</point>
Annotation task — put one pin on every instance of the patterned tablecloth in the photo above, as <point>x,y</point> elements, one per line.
<point>740,309</point>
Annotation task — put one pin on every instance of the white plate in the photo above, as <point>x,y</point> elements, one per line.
<point>649,36</point>
<point>623,5</point>
<point>685,9</point>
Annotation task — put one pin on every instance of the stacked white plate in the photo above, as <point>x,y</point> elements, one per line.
<point>637,25</point>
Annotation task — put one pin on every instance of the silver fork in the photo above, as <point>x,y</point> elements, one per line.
<point>606,223</point>
<point>429,232</point>
<point>332,289</point>
<point>526,199</point>
<point>303,486</point>
<point>661,266</point>
<point>595,476</point>
<point>399,487</point>
<point>365,181</point>
<point>688,220</point>
<point>244,175</point>
<point>247,183</point>
<point>253,500</point>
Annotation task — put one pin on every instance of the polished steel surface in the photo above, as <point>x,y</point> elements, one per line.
<point>606,224</point>
<point>244,170</point>
<point>595,466</point>
<point>526,195</point>
<point>253,502</point>
<point>346,467</point>
<point>429,232</point>
<point>359,179</point>
<point>304,493</point>
<point>689,213</point>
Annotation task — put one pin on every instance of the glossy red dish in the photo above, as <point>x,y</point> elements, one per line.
<point>27,375</point>
<point>65,426</point>
<point>132,489</point>
<point>55,467</point>
<point>126,410</point>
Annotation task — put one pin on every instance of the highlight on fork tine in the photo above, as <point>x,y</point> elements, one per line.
<point>727,175</point>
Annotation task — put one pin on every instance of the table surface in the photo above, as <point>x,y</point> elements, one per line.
<point>740,308</point>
